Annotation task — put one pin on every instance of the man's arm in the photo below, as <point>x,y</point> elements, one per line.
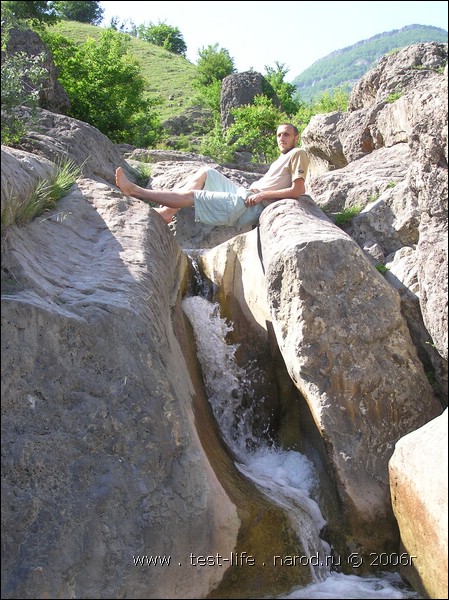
<point>297,189</point>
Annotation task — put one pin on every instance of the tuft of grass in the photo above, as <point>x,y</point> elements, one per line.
<point>393,97</point>
<point>44,197</point>
<point>144,171</point>
<point>345,216</point>
<point>382,269</point>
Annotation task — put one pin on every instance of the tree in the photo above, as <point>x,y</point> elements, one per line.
<point>39,13</point>
<point>209,96</point>
<point>214,64</point>
<point>105,87</point>
<point>163,35</point>
<point>335,100</point>
<point>84,12</point>
<point>284,91</point>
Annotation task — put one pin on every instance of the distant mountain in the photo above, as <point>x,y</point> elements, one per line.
<point>343,68</point>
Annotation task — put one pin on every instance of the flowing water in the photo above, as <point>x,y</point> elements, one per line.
<point>287,478</point>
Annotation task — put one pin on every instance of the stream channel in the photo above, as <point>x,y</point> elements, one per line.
<point>285,477</point>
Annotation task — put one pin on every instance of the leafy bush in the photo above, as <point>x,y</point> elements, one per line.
<point>215,145</point>
<point>345,217</point>
<point>284,91</point>
<point>255,125</point>
<point>38,13</point>
<point>335,100</point>
<point>254,128</point>
<point>82,11</point>
<point>323,104</point>
<point>209,96</point>
<point>214,64</point>
<point>165,36</point>
<point>105,87</point>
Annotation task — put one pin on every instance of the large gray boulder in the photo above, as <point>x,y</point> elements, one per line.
<point>348,350</point>
<point>52,96</point>
<point>302,283</point>
<point>101,459</point>
<point>240,89</point>
<point>388,155</point>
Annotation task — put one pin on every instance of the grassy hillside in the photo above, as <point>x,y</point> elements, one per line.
<point>169,76</point>
<point>344,68</point>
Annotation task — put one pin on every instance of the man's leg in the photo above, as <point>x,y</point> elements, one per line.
<point>173,200</point>
<point>194,182</point>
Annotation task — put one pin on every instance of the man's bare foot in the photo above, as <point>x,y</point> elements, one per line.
<point>166,213</point>
<point>123,182</point>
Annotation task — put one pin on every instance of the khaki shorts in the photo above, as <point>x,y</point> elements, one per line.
<point>222,202</point>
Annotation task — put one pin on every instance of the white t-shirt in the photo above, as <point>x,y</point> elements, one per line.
<point>283,172</point>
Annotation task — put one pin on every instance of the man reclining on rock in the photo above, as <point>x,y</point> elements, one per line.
<point>220,201</point>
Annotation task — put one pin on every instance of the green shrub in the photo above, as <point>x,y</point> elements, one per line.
<point>345,216</point>
<point>393,96</point>
<point>284,91</point>
<point>163,35</point>
<point>254,129</point>
<point>106,88</point>
<point>382,269</point>
<point>215,145</point>
<point>213,64</point>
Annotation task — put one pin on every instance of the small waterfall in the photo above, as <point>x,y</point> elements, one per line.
<point>224,379</point>
<point>287,478</point>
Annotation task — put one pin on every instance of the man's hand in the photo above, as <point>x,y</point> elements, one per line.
<point>254,199</point>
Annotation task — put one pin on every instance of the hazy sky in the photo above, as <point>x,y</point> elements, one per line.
<point>294,34</point>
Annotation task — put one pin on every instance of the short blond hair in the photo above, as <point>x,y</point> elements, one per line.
<point>295,129</point>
